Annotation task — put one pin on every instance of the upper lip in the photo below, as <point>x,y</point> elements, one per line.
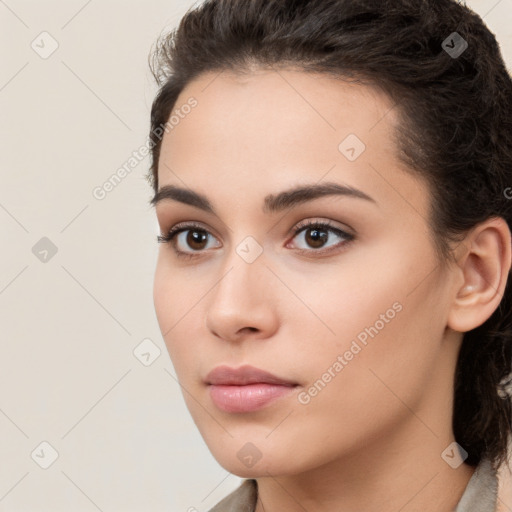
<point>225,375</point>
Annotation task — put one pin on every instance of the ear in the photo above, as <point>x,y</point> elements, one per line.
<point>484,268</point>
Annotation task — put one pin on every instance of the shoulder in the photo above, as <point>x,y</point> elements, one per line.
<point>242,499</point>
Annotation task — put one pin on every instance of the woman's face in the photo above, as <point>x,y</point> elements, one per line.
<point>353,320</point>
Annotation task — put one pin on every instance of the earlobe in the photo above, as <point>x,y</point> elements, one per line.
<point>484,266</point>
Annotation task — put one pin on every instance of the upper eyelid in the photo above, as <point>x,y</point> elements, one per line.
<point>328,223</point>
<point>186,225</point>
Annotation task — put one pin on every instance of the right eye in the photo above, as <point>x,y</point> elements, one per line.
<point>192,235</point>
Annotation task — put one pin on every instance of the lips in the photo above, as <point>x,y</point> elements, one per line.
<point>226,376</point>
<point>245,389</point>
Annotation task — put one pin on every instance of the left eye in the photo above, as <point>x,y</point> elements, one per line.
<point>316,235</point>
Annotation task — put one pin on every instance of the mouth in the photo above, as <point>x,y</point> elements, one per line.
<point>227,376</point>
<point>245,389</point>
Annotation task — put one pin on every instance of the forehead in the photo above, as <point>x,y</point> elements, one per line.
<point>271,108</point>
<point>264,130</point>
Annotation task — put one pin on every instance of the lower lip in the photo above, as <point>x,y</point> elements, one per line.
<point>250,397</point>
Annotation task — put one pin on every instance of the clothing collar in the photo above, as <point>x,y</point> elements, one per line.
<point>481,494</point>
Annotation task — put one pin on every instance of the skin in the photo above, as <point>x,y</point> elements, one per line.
<point>372,439</point>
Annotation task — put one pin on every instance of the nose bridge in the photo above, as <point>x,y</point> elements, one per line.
<point>244,272</point>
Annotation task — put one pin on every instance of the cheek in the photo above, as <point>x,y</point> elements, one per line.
<point>171,303</point>
<point>174,292</point>
<point>386,334</point>
<point>366,398</point>
<point>177,295</point>
<point>162,294</point>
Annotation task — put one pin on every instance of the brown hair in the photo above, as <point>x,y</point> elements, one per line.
<point>455,130</point>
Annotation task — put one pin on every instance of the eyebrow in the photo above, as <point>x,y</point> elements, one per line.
<point>272,203</point>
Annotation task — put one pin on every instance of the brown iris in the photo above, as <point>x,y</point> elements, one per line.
<point>196,237</point>
<point>318,237</point>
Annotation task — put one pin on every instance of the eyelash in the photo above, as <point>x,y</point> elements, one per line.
<point>322,226</point>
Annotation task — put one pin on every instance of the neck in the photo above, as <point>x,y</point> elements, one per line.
<point>408,476</point>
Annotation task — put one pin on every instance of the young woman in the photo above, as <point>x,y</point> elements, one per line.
<point>333,185</point>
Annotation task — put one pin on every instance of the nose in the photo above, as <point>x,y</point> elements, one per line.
<point>243,303</point>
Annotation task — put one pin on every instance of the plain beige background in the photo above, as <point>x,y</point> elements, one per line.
<point>91,416</point>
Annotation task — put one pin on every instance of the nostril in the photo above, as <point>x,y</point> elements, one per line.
<point>252,329</point>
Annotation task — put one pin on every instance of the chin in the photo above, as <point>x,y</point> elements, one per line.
<point>247,460</point>
<point>260,469</point>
